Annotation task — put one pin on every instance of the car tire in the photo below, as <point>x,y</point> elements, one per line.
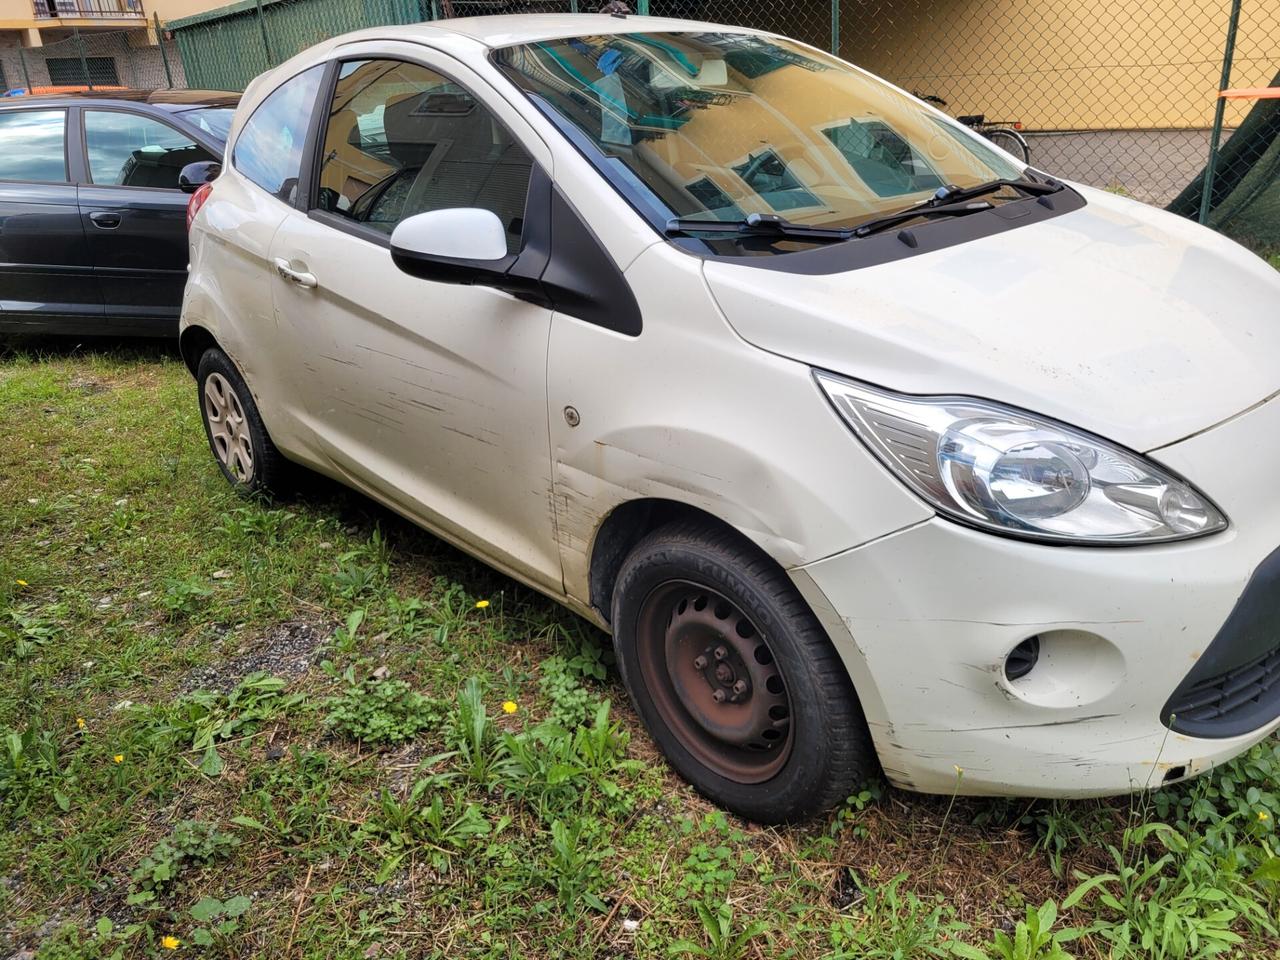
<point>237,437</point>
<point>734,677</point>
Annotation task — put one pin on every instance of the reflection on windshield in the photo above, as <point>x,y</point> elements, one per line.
<point>214,120</point>
<point>723,125</point>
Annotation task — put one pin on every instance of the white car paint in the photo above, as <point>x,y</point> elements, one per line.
<point>447,403</point>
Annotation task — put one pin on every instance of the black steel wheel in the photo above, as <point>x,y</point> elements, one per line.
<point>735,678</point>
<point>715,681</point>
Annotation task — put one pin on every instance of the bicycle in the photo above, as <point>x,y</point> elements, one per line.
<point>1003,133</point>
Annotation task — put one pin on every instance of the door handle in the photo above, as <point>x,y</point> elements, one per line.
<point>300,277</point>
<point>104,220</point>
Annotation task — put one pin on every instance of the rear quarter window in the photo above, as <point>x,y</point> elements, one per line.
<point>33,145</point>
<point>269,148</point>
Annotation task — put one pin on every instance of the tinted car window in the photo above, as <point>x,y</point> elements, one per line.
<point>136,151</point>
<point>269,148</point>
<point>33,145</point>
<point>401,139</point>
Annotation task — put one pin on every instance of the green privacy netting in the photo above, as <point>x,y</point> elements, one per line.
<point>1245,202</point>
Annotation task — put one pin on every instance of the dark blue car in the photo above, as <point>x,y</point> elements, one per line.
<point>92,220</point>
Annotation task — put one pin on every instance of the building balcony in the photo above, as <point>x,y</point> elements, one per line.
<point>88,10</point>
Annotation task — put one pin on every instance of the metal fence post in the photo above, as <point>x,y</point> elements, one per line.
<point>164,57</point>
<point>84,64</point>
<point>266,43</point>
<point>835,27</point>
<point>1215,138</point>
<point>25,74</point>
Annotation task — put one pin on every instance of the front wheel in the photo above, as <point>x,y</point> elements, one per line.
<point>735,678</point>
<point>1010,141</point>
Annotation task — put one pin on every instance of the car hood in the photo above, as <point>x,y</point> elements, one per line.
<point>1119,318</point>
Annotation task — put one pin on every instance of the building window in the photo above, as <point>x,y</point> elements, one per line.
<point>882,158</point>
<point>69,72</point>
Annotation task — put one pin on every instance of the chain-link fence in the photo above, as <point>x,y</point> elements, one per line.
<point>92,59</point>
<point>1119,94</point>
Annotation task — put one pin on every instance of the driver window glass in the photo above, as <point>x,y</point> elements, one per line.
<point>401,139</point>
<point>130,150</point>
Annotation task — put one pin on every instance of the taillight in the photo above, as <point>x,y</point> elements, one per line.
<point>197,201</point>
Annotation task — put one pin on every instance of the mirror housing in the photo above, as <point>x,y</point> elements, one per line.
<point>458,245</point>
<point>195,175</point>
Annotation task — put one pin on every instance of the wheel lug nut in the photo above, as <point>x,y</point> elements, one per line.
<point>700,663</point>
<point>721,653</point>
<point>740,688</point>
<point>717,696</point>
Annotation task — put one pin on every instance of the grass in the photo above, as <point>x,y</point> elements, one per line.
<point>309,729</point>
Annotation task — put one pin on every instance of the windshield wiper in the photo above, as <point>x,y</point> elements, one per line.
<point>953,194</point>
<point>757,225</point>
<point>917,212</point>
<point>952,200</point>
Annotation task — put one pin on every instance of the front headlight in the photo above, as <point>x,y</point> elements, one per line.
<point>1014,473</point>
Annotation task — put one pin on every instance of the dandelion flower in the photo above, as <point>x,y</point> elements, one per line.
<point>80,722</point>
<point>170,942</point>
<point>509,706</point>
<point>22,583</point>
<point>118,758</point>
<point>481,604</point>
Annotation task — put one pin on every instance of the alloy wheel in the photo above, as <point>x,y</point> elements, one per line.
<point>228,431</point>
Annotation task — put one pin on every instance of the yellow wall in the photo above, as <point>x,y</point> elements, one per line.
<point>1066,64</point>
<point>19,14</point>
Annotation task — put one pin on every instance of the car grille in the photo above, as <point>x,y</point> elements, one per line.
<point>1242,692</point>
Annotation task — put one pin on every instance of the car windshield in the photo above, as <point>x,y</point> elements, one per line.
<point>719,126</point>
<point>214,120</point>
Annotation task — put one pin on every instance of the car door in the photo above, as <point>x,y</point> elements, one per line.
<point>431,396</point>
<point>133,214</point>
<point>46,277</point>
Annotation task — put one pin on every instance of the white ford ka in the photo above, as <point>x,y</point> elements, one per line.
<point>871,446</point>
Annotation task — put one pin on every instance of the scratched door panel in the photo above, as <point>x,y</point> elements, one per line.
<point>432,395</point>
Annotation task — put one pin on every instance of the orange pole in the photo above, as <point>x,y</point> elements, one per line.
<point>1251,93</point>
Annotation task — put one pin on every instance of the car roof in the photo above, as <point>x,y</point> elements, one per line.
<point>171,101</point>
<point>509,29</point>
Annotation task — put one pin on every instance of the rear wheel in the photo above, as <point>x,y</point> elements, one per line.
<point>735,678</point>
<point>237,437</point>
<point>1010,141</point>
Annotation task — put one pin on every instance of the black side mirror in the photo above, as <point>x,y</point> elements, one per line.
<point>195,175</point>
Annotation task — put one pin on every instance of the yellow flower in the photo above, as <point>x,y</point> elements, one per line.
<point>170,942</point>
<point>509,706</point>
<point>959,770</point>
<point>22,583</point>
<point>80,722</point>
<point>1263,815</point>
<point>481,604</point>
<point>118,758</point>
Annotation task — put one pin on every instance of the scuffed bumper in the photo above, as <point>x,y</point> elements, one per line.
<point>925,618</point>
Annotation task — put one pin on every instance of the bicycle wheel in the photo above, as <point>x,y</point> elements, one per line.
<point>1010,141</point>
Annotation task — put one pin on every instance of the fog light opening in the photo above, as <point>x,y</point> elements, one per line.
<point>1022,659</point>
<point>1175,773</point>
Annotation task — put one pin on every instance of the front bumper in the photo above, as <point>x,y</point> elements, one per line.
<point>925,617</point>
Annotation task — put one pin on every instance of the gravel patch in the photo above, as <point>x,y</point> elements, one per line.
<point>287,650</point>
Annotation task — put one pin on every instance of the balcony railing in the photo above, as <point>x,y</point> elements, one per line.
<point>89,9</point>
